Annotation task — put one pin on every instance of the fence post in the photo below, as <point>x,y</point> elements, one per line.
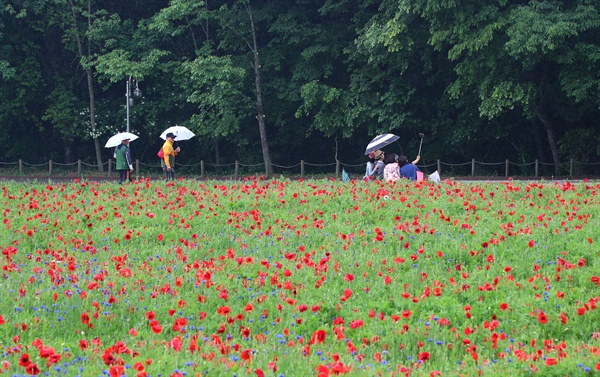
<point>472,167</point>
<point>302,169</point>
<point>137,167</point>
<point>201,168</point>
<point>237,168</point>
<point>78,167</point>
<point>109,166</point>
<point>50,167</point>
<point>439,167</point>
<point>20,166</point>
<point>337,169</point>
<point>571,167</point>
<point>537,167</point>
<point>506,169</point>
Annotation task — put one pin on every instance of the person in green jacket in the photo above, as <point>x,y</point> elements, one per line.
<point>124,162</point>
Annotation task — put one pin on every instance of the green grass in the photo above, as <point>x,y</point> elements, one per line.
<point>241,275</point>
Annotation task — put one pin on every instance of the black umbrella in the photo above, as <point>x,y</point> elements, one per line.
<point>380,142</point>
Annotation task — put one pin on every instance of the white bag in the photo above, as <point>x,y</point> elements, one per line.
<point>434,177</point>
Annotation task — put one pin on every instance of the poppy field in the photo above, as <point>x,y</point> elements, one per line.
<point>274,277</point>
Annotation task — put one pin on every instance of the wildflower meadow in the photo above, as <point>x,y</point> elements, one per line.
<point>276,277</point>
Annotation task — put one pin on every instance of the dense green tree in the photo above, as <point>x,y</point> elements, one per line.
<point>34,50</point>
<point>277,82</point>
<point>6,71</point>
<point>521,55</point>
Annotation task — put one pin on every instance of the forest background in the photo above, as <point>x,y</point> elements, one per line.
<point>276,82</point>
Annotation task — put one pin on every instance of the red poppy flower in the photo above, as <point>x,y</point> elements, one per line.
<point>246,354</point>
<point>423,356</point>
<point>155,327</point>
<point>138,366</point>
<point>175,343</point>
<point>347,294</point>
<point>108,357</point>
<point>46,352</point>
<point>542,318</point>
<point>32,369</point>
<point>356,324</point>
<point>83,344</point>
<point>318,337</point>
<point>25,360</point>
<point>224,310</point>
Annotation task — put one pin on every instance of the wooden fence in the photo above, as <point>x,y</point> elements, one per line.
<point>234,170</point>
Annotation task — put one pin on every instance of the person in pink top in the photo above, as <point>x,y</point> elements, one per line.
<point>391,171</point>
<point>393,167</point>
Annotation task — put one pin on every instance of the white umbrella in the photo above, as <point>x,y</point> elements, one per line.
<point>118,138</point>
<point>380,142</point>
<point>181,133</point>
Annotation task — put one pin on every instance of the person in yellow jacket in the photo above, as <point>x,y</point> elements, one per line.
<point>168,161</point>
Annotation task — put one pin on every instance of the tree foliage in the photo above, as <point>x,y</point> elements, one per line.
<point>318,78</point>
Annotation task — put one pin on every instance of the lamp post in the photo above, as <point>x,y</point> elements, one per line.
<point>137,93</point>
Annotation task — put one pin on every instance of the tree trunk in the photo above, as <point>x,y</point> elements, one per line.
<point>93,118</point>
<point>544,118</point>
<point>217,153</point>
<point>90,83</point>
<point>260,116</point>
<point>537,137</point>
<point>69,154</point>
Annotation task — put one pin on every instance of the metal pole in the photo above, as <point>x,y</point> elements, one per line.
<point>571,168</point>
<point>127,95</point>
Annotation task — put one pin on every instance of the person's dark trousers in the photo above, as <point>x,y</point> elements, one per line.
<point>169,175</point>
<point>122,176</point>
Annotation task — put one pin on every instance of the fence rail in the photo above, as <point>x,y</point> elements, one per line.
<point>236,169</point>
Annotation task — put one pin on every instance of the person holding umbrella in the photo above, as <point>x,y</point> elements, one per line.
<point>124,162</point>
<point>375,165</point>
<point>168,161</point>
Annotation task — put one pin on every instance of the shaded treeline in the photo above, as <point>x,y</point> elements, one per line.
<point>284,81</point>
